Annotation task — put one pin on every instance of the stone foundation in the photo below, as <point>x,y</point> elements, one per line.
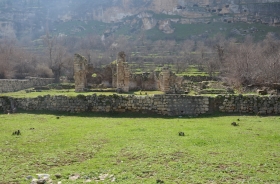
<point>171,105</point>
<point>12,85</point>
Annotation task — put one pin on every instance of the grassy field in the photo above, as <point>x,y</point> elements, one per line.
<point>71,92</point>
<point>133,148</point>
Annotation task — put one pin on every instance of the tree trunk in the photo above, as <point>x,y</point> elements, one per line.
<point>57,72</point>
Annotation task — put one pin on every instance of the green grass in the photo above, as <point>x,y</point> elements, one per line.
<point>23,94</point>
<point>71,92</point>
<point>193,70</point>
<point>140,149</point>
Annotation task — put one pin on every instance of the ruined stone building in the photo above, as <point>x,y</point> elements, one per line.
<point>117,75</point>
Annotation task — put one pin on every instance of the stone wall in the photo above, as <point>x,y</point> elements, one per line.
<point>250,104</point>
<point>12,85</point>
<point>4,103</point>
<point>172,105</point>
<point>158,104</point>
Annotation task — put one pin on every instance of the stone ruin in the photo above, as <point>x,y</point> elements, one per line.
<point>118,75</point>
<point>80,73</point>
<point>169,82</point>
<point>123,73</point>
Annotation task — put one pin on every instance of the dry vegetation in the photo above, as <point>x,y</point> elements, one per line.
<point>238,63</point>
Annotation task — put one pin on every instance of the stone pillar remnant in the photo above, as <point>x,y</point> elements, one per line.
<point>165,81</point>
<point>123,73</point>
<point>80,73</point>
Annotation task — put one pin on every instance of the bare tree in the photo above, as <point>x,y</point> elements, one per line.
<point>57,55</point>
<point>6,53</point>
<point>185,55</point>
<point>253,63</point>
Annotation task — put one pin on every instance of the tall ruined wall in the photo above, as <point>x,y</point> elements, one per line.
<point>145,81</point>
<point>80,72</point>
<point>123,73</point>
<point>12,85</point>
<point>157,104</point>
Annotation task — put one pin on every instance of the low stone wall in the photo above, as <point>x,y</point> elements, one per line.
<point>5,103</point>
<point>172,105</point>
<point>12,85</point>
<point>159,104</point>
<point>253,104</point>
<point>199,78</point>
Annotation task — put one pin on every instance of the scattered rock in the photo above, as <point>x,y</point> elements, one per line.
<point>113,179</point>
<point>159,181</point>
<point>16,132</point>
<point>34,181</point>
<point>88,180</point>
<point>41,181</point>
<point>43,176</point>
<point>29,177</point>
<point>102,177</point>
<point>181,134</point>
<point>74,177</point>
<point>234,124</point>
<point>38,181</point>
<point>58,176</point>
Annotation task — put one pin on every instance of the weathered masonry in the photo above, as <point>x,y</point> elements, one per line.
<point>118,75</point>
<point>12,85</point>
<point>157,104</point>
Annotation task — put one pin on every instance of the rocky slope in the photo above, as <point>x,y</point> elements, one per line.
<point>19,18</point>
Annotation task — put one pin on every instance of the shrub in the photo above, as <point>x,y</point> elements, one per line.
<point>44,71</point>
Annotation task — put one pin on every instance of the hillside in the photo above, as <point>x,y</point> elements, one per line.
<point>157,19</point>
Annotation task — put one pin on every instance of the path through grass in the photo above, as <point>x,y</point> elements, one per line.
<point>140,149</point>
